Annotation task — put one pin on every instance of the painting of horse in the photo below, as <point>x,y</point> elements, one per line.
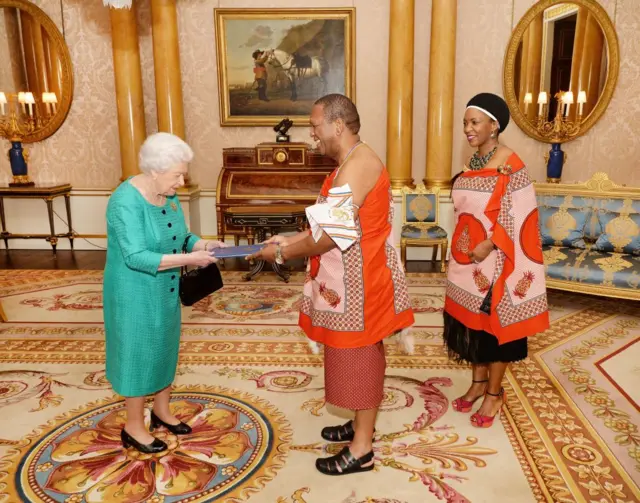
<point>274,63</point>
<point>300,71</point>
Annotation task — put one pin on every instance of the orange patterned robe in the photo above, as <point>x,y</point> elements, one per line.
<point>357,297</point>
<point>499,204</point>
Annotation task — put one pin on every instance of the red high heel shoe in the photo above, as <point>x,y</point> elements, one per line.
<point>464,406</point>
<point>480,421</point>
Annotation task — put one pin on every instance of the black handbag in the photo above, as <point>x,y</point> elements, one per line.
<point>486,303</point>
<point>198,283</point>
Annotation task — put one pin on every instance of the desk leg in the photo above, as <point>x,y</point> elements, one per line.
<point>277,268</point>
<point>53,240</point>
<point>259,264</point>
<point>67,203</point>
<point>4,224</point>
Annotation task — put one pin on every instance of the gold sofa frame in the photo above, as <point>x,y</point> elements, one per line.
<point>599,186</point>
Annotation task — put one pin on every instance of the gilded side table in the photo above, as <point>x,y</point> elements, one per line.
<point>47,193</point>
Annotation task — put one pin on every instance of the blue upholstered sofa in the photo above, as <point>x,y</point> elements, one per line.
<point>591,237</point>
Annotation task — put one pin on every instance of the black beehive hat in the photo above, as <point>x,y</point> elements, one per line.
<point>492,105</point>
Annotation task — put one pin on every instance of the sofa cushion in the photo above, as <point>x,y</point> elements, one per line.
<point>620,221</point>
<point>562,226</point>
<point>592,266</point>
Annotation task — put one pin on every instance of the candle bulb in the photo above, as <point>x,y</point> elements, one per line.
<point>542,101</point>
<point>50,100</point>
<point>582,99</point>
<point>45,100</point>
<point>568,99</point>
<point>3,102</point>
<point>29,100</point>
<point>21,99</point>
<point>528,99</point>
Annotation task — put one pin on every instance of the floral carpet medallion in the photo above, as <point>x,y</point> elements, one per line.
<point>253,392</point>
<point>239,303</point>
<point>237,443</point>
<point>77,301</point>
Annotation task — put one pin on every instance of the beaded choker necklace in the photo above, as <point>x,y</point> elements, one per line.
<point>480,161</point>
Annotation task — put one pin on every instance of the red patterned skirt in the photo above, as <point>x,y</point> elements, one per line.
<point>354,377</point>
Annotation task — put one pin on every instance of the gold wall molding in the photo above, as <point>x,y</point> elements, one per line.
<point>560,11</point>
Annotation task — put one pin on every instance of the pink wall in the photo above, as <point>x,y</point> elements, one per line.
<point>85,150</point>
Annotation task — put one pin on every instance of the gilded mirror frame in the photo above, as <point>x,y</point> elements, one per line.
<point>613,67</point>
<point>64,104</point>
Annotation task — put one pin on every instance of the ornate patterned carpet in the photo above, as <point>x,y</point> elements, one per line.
<point>253,393</point>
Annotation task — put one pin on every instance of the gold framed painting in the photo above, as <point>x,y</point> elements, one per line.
<point>274,63</point>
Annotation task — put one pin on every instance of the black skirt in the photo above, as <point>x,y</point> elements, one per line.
<point>465,345</point>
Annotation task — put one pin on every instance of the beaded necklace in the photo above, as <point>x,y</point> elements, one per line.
<point>478,162</point>
<point>356,145</point>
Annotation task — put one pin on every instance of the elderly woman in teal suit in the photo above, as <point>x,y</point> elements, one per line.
<point>145,233</point>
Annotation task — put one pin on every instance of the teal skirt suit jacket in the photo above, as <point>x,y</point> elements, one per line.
<point>142,315</point>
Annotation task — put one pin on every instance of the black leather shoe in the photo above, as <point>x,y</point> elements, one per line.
<point>156,446</point>
<point>176,429</point>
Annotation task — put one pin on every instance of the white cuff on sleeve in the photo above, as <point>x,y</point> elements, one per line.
<point>335,217</point>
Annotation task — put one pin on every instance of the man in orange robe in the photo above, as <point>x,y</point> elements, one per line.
<point>355,293</point>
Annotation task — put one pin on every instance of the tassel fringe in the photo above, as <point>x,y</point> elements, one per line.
<point>405,341</point>
<point>461,347</point>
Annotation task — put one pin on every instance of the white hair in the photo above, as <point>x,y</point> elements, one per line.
<point>162,151</point>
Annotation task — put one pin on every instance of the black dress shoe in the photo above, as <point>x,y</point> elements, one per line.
<point>176,429</point>
<point>156,446</point>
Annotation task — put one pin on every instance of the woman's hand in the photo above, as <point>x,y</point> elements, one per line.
<point>278,240</point>
<point>481,251</point>
<point>214,244</point>
<point>201,258</point>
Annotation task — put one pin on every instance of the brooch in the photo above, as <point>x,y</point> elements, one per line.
<point>505,169</point>
<point>173,206</point>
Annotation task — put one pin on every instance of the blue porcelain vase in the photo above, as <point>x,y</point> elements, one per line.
<point>555,163</point>
<point>18,165</point>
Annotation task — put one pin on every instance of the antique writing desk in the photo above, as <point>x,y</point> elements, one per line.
<point>263,220</point>
<point>46,192</point>
<point>265,189</point>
